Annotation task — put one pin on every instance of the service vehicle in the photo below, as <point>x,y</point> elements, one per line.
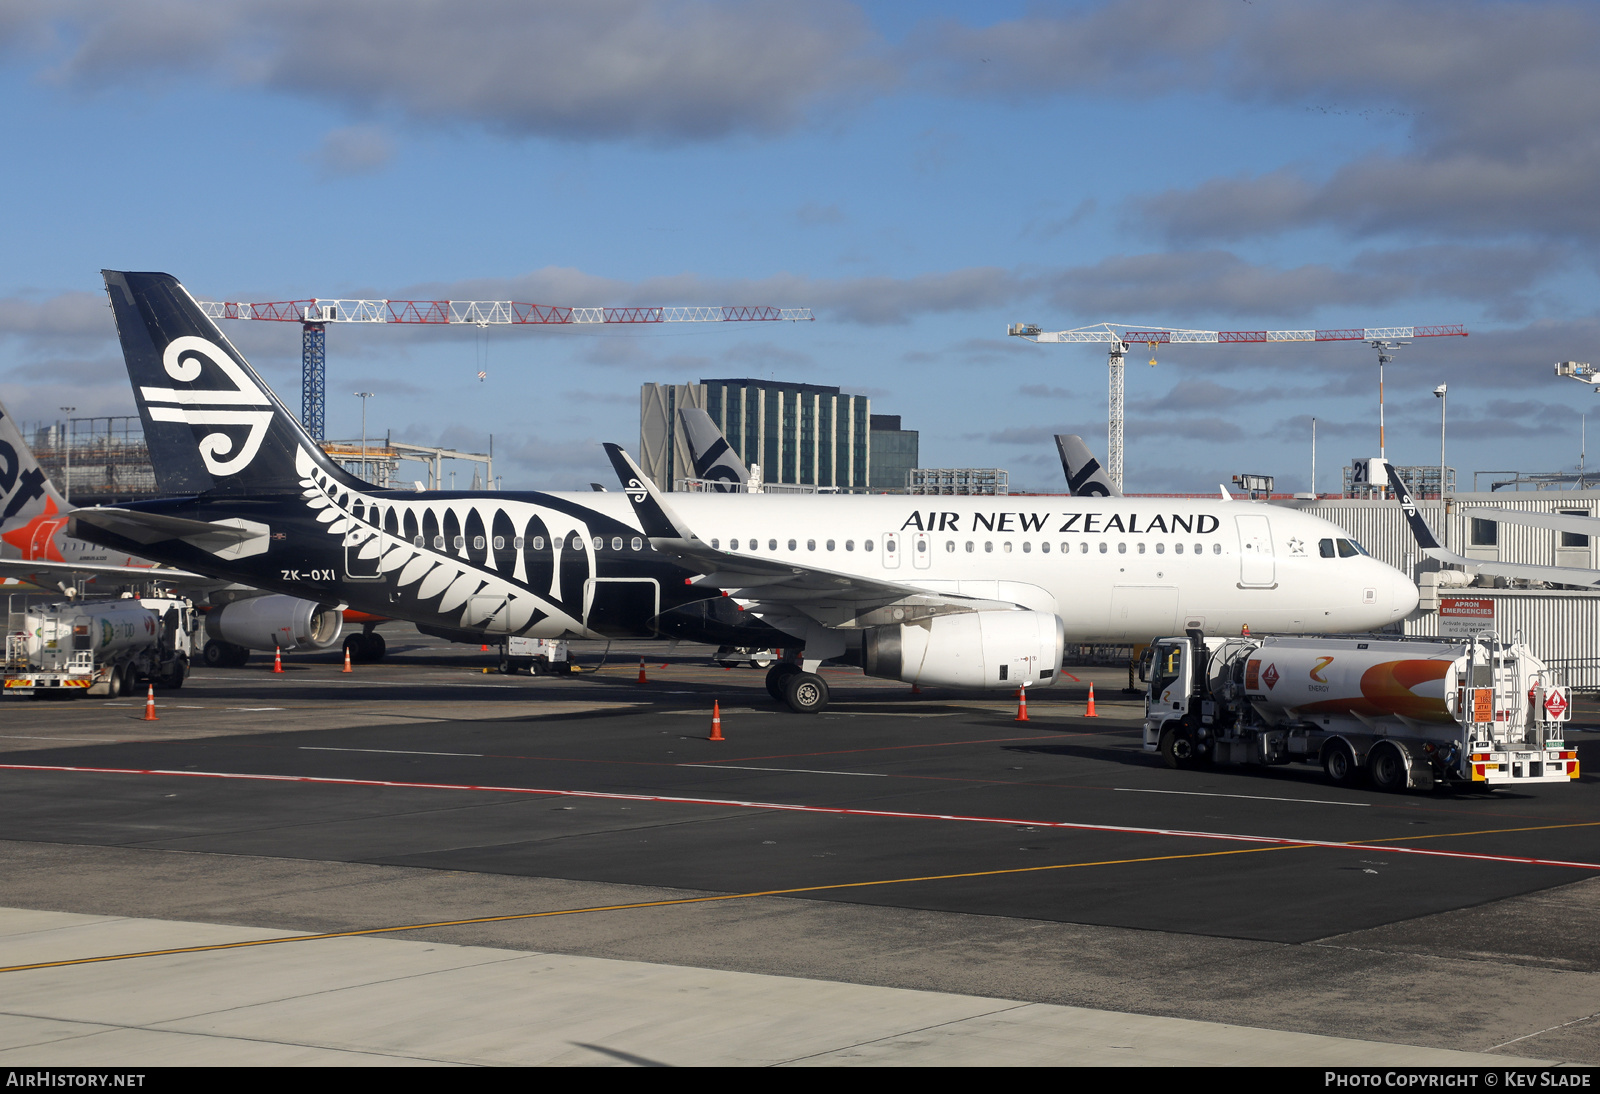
<point>536,656</point>
<point>103,647</point>
<point>1409,713</point>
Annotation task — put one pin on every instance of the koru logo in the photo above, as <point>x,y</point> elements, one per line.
<point>224,453</point>
<point>636,491</point>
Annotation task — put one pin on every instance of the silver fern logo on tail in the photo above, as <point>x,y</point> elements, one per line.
<point>224,453</point>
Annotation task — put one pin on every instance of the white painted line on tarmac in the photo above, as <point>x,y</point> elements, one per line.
<point>251,710</point>
<point>793,770</point>
<point>386,751</point>
<point>1246,797</point>
<point>826,810</point>
<point>21,737</point>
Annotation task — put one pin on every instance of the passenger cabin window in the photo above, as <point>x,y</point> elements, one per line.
<point>638,544</point>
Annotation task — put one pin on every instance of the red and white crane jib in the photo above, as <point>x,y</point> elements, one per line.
<point>1107,332</point>
<point>485,313</point>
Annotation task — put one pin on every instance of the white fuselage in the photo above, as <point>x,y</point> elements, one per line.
<point>1113,569</point>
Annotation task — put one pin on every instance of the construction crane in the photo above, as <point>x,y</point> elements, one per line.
<point>315,314</point>
<point>1121,338</point>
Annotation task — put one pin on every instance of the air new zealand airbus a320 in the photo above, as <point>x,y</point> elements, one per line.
<point>971,592</point>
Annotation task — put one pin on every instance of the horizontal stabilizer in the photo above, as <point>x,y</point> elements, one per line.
<point>233,538</point>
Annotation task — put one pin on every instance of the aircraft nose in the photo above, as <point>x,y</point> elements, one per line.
<point>1403,595</point>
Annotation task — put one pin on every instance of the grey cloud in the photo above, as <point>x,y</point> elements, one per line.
<point>353,150</point>
<point>70,314</point>
<point>1501,101</point>
<point>653,70</point>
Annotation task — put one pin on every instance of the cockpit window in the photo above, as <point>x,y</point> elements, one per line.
<point>1347,549</point>
<point>1325,547</point>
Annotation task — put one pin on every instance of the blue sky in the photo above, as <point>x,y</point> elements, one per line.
<point>919,174</point>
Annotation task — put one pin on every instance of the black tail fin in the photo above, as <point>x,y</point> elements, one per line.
<point>1085,478</point>
<point>714,458</point>
<point>211,423</point>
<point>1419,527</point>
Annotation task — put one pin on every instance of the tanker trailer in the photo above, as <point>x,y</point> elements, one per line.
<point>1405,712</point>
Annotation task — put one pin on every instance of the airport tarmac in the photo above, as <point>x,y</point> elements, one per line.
<point>565,870</point>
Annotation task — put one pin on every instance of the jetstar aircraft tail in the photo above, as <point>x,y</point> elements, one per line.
<point>212,425</point>
<point>1085,477</point>
<point>714,458</point>
<point>26,492</point>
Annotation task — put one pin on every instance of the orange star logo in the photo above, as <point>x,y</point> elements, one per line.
<point>36,540</point>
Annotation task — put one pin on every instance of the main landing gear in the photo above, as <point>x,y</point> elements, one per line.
<point>803,692</point>
<point>366,646</point>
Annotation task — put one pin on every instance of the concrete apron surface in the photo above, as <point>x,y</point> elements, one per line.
<point>366,1001</point>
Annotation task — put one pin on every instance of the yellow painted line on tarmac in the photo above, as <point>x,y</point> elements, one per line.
<point>628,907</point>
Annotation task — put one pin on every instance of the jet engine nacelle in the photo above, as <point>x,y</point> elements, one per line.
<point>969,650</point>
<point>276,622</point>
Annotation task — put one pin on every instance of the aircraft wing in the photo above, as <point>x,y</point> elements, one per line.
<point>48,574</point>
<point>1561,522</point>
<point>774,586</point>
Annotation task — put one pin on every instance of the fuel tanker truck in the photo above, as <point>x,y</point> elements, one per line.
<point>105,647</point>
<point>1405,712</point>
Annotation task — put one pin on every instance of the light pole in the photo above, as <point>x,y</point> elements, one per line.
<point>1444,520</point>
<point>67,443</point>
<point>364,396</point>
<point>1313,459</point>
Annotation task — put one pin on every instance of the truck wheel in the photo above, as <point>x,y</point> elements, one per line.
<point>762,659</point>
<point>805,692</point>
<point>1339,764</point>
<point>778,676</point>
<point>1177,749</point>
<point>179,673</point>
<point>1387,768</point>
<point>116,682</point>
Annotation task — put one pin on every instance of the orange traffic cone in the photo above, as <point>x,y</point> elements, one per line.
<point>642,678</point>
<point>1090,712</point>
<point>716,722</point>
<point>347,660</point>
<point>1022,705</point>
<point>277,659</point>
<point>150,705</point>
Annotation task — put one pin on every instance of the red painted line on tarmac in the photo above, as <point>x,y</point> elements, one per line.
<point>784,807</point>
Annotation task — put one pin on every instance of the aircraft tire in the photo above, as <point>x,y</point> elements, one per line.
<point>805,692</point>
<point>1387,769</point>
<point>777,676</point>
<point>376,646</point>
<point>1339,764</point>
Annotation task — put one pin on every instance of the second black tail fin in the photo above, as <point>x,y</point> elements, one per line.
<point>211,424</point>
<point>1419,527</point>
